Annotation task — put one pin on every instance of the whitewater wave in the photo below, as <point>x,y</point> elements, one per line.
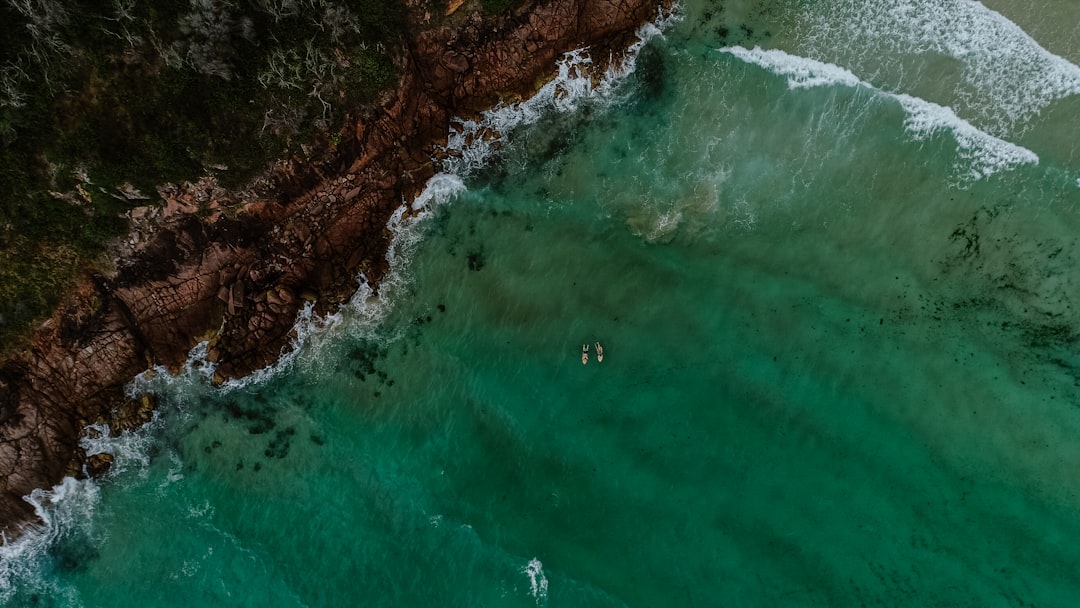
<point>24,564</point>
<point>1005,76</point>
<point>129,449</point>
<point>982,154</point>
<point>538,583</point>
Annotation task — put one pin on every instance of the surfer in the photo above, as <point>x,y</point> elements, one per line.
<point>599,353</point>
<point>584,354</point>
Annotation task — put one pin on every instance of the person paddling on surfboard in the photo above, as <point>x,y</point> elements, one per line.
<point>599,353</point>
<point>584,354</point>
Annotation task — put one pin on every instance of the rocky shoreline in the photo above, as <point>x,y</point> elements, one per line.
<point>235,268</point>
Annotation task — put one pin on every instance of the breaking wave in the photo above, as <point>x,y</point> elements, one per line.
<point>538,583</point>
<point>1005,77</point>
<point>982,154</point>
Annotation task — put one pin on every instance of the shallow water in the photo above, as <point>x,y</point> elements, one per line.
<point>829,250</point>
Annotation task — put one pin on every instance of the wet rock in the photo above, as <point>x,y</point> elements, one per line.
<point>98,464</point>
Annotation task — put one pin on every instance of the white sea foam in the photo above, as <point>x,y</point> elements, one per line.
<point>307,328</point>
<point>23,565</point>
<point>365,311</point>
<point>197,370</point>
<point>663,226</point>
<point>1005,78</point>
<point>577,81</point>
<point>743,215</point>
<point>129,449</point>
<point>69,509</point>
<point>982,154</point>
<point>538,583</point>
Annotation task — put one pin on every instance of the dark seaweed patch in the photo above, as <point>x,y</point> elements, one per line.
<point>279,447</point>
<point>74,554</point>
<point>970,239</point>
<point>1049,335</point>
<point>364,357</point>
<point>476,260</point>
<point>441,222</point>
<point>651,72</point>
<point>258,422</point>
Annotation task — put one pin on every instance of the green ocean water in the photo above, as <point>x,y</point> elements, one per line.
<point>830,251</point>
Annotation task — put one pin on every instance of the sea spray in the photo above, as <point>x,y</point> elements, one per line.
<point>308,330</point>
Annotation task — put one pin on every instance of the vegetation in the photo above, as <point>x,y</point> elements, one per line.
<point>498,6</point>
<point>101,98</point>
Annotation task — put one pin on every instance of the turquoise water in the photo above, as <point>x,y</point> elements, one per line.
<point>829,249</point>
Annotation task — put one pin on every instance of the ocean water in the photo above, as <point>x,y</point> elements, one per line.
<point>830,249</point>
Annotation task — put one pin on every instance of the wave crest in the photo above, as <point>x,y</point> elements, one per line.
<point>982,153</point>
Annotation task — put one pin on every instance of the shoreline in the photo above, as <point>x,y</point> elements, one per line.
<point>235,268</point>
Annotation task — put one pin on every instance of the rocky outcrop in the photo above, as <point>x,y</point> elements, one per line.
<point>236,267</point>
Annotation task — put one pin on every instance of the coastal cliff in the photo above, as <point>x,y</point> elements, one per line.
<point>235,267</point>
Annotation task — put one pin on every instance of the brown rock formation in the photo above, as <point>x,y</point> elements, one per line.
<point>237,273</point>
